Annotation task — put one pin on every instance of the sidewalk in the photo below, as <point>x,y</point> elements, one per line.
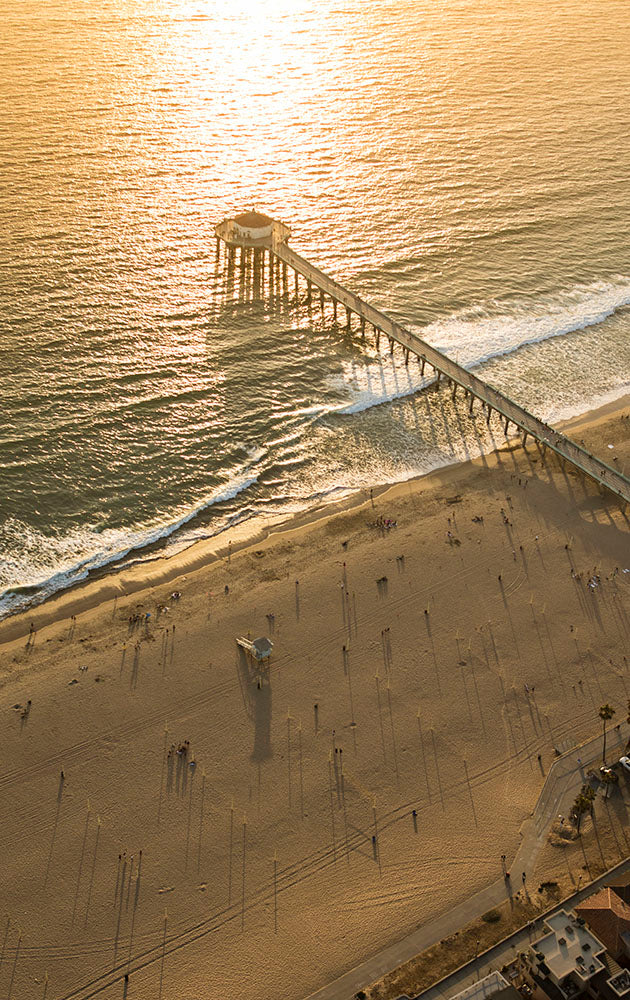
<point>505,950</point>
<point>562,783</point>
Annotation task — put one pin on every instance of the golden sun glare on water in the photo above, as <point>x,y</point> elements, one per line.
<point>253,68</point>
<point>245,10</point>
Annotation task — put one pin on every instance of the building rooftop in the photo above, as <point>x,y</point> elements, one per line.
<point>490,986</point>
<point>569,947</point>
<point>621,885</point>
<point>608,917</point>
<point>508,993</point>
<point>252,229</point>
<point>252,220</point>
<point>620,984</point>
<point>262,647</point>
<point>619,881</point>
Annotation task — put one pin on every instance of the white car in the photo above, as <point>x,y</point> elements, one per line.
<point>625,763</point>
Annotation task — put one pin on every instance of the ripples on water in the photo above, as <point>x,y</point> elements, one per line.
<point>462,165</point>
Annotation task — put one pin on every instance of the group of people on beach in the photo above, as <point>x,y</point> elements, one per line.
<point>184,752</point>
<point>137,619</point>
<point>385,523</point>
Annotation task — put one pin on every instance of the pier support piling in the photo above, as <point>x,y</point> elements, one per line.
<point>252,263</point>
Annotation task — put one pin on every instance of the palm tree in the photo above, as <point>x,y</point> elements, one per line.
<point>583,803</point>
<point>609,778</point>
<point>606,713</point>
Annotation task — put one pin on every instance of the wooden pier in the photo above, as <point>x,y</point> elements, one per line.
<point>271,240</point>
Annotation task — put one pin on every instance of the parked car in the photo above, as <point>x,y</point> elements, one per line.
<point>625,763</point>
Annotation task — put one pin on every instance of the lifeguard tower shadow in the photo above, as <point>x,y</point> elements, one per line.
<point>253,672</point>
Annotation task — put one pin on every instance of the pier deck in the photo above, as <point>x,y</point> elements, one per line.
<point>493,400</point>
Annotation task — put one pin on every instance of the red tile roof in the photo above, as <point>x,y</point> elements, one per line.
<point>607,916</point>
<point>619,881</point>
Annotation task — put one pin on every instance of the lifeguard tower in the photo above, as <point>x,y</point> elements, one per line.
<point>259,649</point>
<point>258,658</point>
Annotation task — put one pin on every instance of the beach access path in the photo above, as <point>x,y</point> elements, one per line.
<point>564,779</point>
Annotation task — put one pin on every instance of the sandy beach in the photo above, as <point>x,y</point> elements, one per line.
<point>369,780</point>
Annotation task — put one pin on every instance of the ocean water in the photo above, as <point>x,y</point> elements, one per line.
<point>463,164</point>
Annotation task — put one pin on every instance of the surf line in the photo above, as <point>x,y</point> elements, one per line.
<point>264,260</point>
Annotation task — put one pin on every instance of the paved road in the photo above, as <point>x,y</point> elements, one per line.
<point>603,474</point>
<point>562,783</point>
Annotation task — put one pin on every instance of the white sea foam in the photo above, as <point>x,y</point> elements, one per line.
<point>565,412</point>
<point>475,335</point>
<point>38,565</point>
<point>365,397</point>
<point>33,565</point>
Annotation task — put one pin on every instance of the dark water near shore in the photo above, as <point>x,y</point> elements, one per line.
<point>463,165</point>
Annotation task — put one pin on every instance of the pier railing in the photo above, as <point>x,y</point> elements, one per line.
<point>492,400</point>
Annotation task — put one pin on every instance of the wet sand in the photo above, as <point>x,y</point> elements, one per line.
<point>412,670</point>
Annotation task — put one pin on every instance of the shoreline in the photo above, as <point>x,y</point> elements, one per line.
<point>108,585</point>
<point>410,651</point>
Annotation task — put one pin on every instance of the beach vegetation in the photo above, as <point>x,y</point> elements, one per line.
<point>550,887</point>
